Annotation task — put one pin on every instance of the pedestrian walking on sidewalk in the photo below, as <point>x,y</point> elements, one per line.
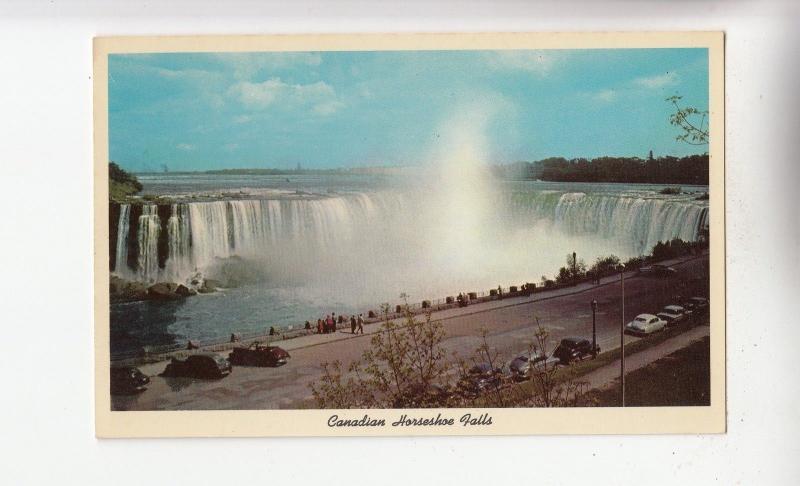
<point>360,324</point>
<point>352,324</point>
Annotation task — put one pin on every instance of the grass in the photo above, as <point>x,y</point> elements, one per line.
<point>680,379</point>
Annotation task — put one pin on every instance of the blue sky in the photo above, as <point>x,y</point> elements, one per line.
<point>351,109</point>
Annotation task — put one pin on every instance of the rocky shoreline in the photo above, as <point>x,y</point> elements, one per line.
<point>122,291</point>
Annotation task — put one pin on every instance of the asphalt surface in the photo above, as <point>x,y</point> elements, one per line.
<point>510,324</point>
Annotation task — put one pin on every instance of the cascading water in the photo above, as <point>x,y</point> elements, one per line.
<point>122,240</point>
<point>147,234</point>
<point>307,231</point>
<point>179,261</point>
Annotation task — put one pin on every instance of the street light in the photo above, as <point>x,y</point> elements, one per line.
<point>622,336</point>
<point>594,328</point>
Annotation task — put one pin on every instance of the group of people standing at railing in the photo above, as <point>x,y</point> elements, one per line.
<point>330,322</point>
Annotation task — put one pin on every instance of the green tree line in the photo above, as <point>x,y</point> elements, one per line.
<point>692,169</point>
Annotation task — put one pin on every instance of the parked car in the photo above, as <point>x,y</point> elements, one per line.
<point>258,355</point>
<point>479,378</point>
<point>658,270</point>
<point>672,314</point>
<point>128,380</point>
<point>700,303</point>
<point>645,324</point>
<point>205,365</point>
<point>522,365</point>
<point>573,348</point>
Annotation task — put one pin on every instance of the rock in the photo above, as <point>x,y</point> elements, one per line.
<point>185,291</point>
<point>164,291</point>
<point>209,285</point>
<point>121,290</point>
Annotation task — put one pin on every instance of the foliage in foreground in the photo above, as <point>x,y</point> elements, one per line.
<point>406,366</point>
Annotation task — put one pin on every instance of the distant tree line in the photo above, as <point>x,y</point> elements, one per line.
<point>662,170</point>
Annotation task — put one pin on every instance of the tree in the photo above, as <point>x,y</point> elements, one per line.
<point>121,184</point>
<point>403,368</point>
<point>691,121</point>
<point>550,389</point>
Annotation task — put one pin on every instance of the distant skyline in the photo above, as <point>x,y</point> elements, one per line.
<point>192,111</point>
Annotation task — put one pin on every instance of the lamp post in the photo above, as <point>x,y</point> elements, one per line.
<point>594,328</point>
<point>622,337</point>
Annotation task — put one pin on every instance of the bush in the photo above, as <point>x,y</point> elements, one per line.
<point>605,266</point>
<point>121,184</point>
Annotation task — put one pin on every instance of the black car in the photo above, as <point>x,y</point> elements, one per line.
<point>205,365</point>
<point>479,378</point>
<point>573,348</point>
<point>522,365</point>
<point>128,380</point>
<point>258,355</point>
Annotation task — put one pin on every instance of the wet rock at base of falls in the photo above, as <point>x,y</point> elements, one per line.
<point>209,286</point>
<point>185,291</point>
<point>165,291</point>
<point>121,290</point>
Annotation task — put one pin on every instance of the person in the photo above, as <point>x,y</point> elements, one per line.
<point>352,324</point>
<point>319,326</point>
<point>328,323</point>
<point>341,319</point>
<point>360,323</point>
<point>271,331</point>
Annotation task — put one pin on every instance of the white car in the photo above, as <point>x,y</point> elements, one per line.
<point>645,324</point>
<point>672,314</point>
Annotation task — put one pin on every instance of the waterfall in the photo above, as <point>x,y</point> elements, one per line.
<point>179,261</point>
<point>120,266</point>
<point>309,230</point>
<point>147,235</point>
<point>635,222</point>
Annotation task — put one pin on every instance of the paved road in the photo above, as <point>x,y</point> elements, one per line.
<point>510,323</point>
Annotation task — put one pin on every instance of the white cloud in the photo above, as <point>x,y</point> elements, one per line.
<point>186,147</point>
<point>320,96</point>
<point>328,107</point>
<point>244,65</point>
<point>659,81</point>
<point>540,63</point>
<point>604,95</point>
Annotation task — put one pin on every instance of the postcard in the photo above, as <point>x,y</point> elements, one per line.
<point>409,234</point>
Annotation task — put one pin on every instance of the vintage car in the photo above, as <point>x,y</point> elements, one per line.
<point>128,380</point>
<point>258,355</point>
<point>672,314</point>
<point>478,379</point>
<point>522,365</point>
<point>204,365</point>
<point>645,324</point>
<point>700,303</point>
<point>574,348</point>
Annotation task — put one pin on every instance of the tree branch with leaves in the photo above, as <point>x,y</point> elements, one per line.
<point>692,122</point>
